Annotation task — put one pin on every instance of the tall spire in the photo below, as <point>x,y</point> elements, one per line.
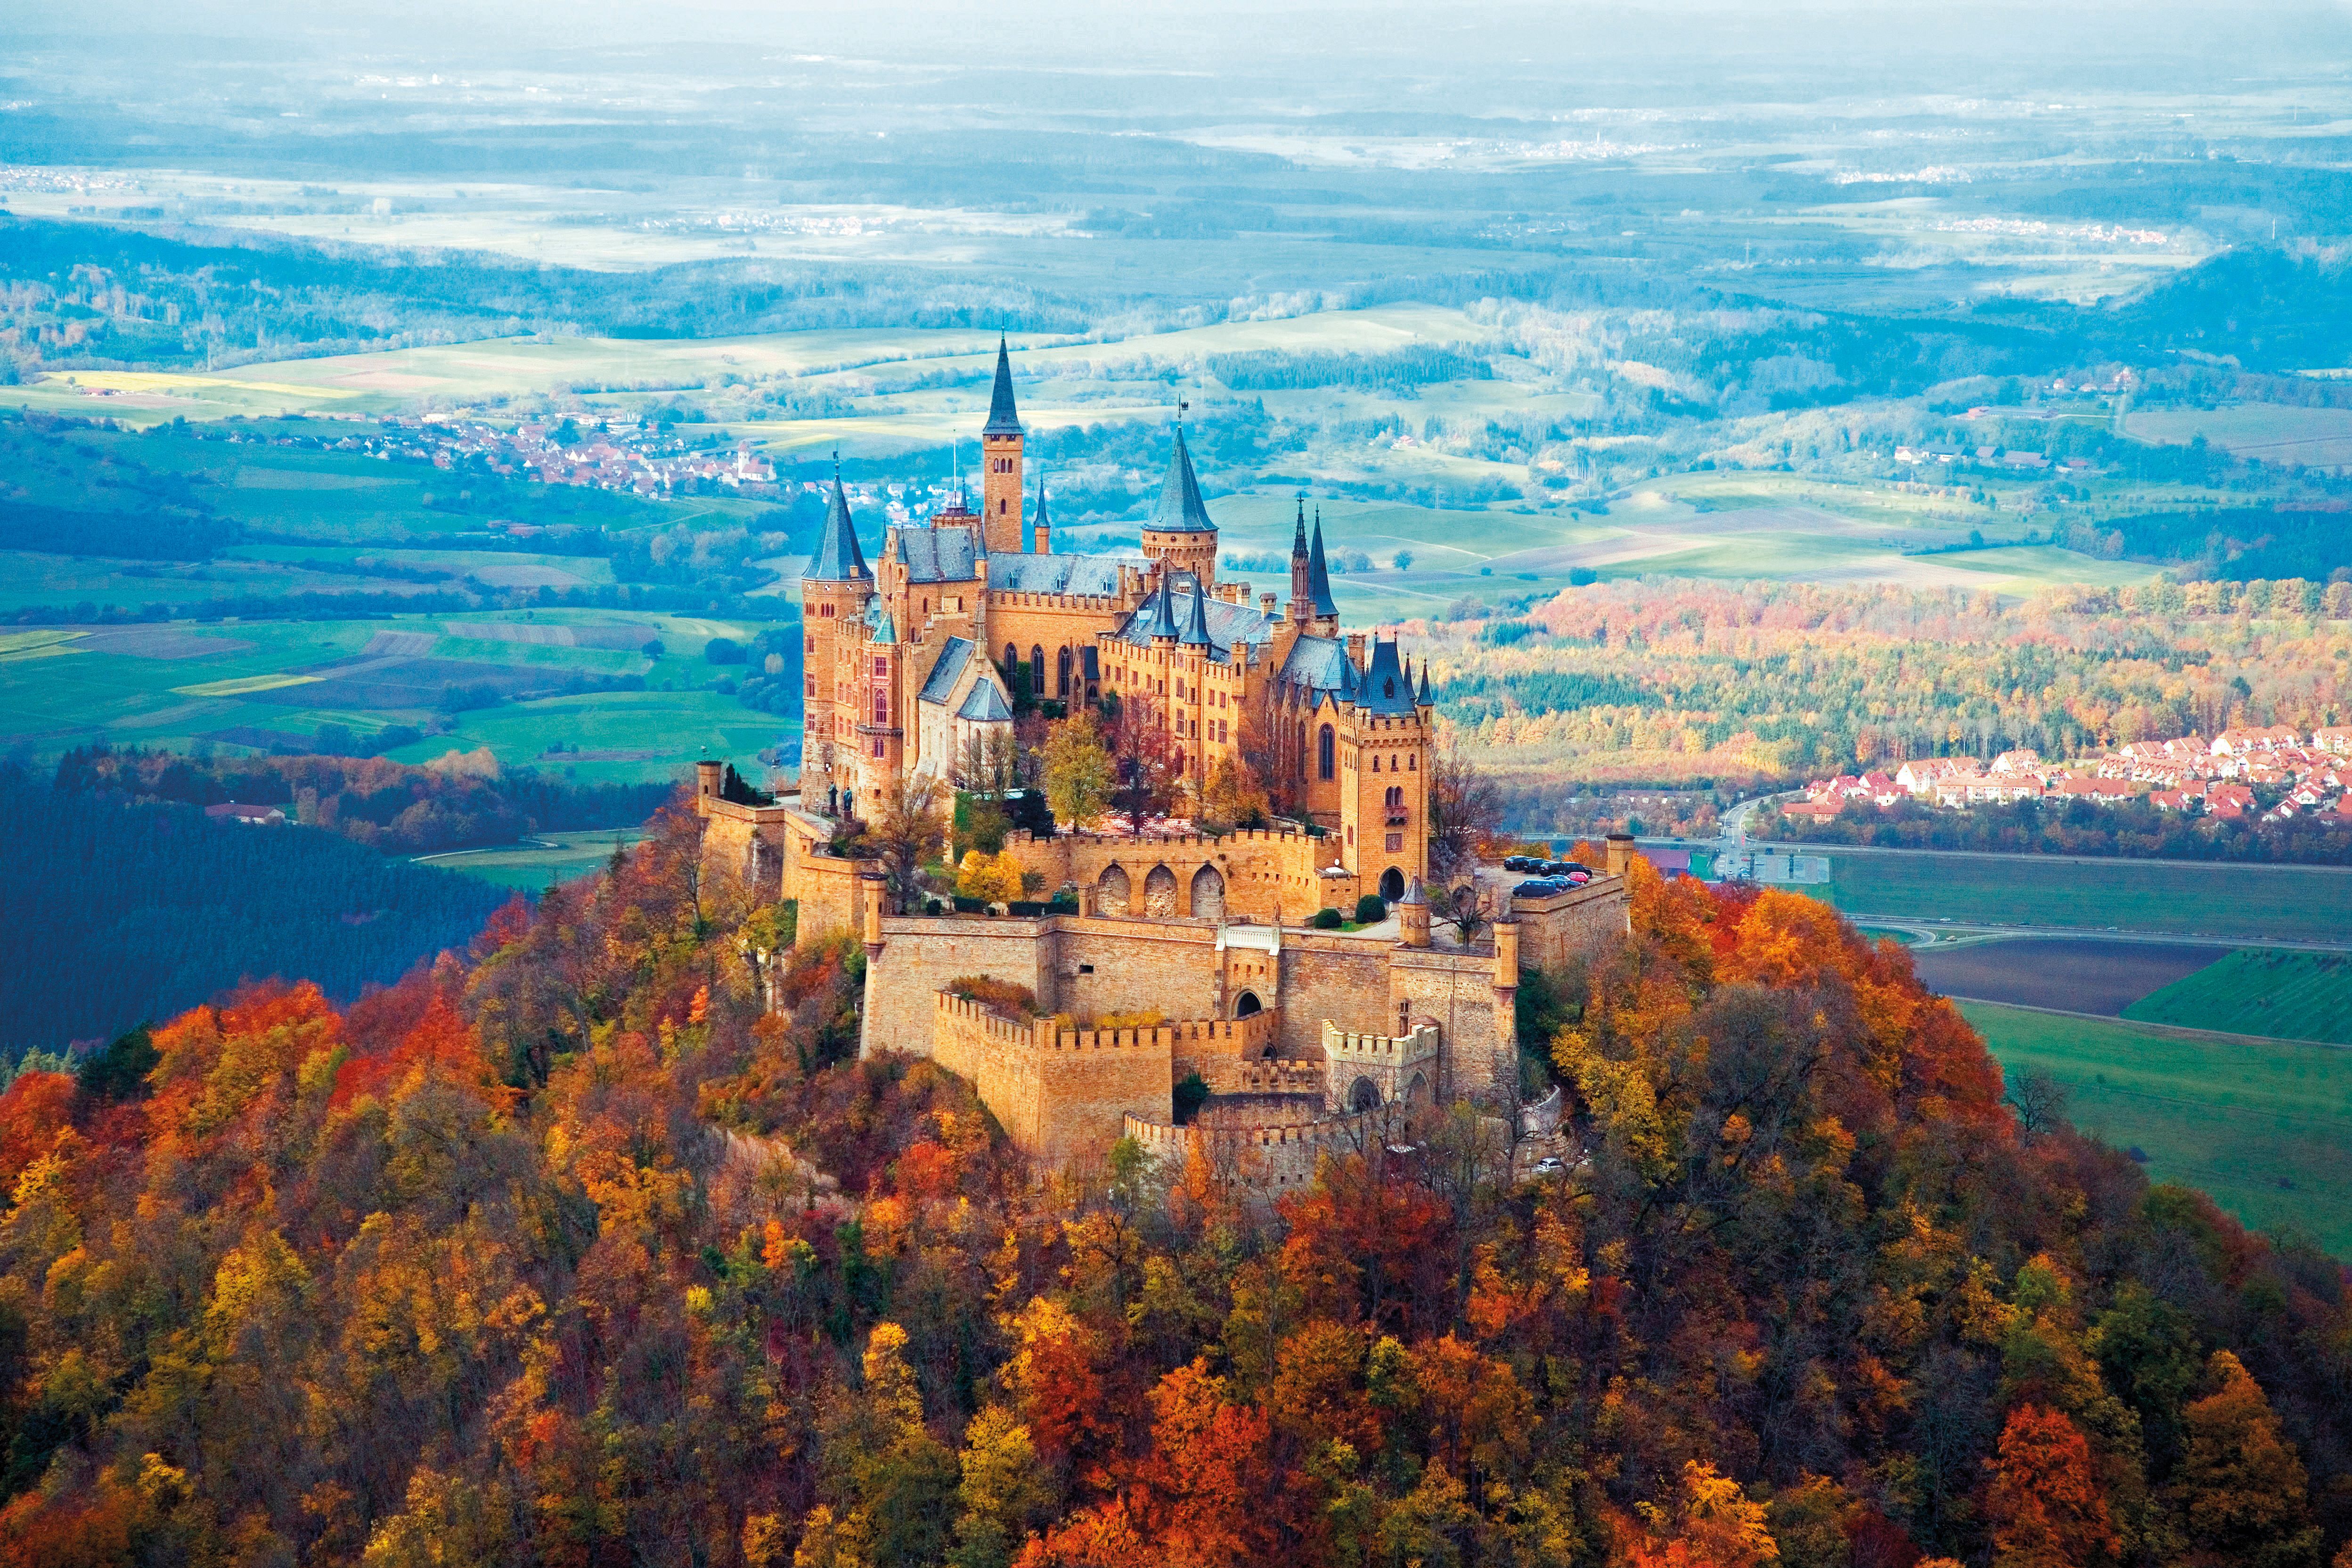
<point>1044,528</point>
<point>1180,509</point>
<point>1196,625</point>
<point>1003,419</point>
<point>1163,609</point>
<point>1318,576</point>
<point>1301,594</point>
<point>838,558</point>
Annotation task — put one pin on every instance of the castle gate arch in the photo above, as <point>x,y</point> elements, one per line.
<point>1363,1095</point>
<point>1392,884</point>
<point>1111,890</point>
<point>1248,1005</point>
<point>1417,1092</point>
<point>1208,892</point>
<point>1159,893</point>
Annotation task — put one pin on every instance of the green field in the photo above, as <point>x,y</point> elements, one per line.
<point>2289,995</point>
<point>2263,1127</point>
<point>548,857</point>
<point>2238,903</point>
<point>176,685</point>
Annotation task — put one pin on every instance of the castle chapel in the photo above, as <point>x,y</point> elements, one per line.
<point>911,657</point>
<point>1170,957</point>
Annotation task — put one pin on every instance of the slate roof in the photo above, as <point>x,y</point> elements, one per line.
<point>1180,509</point>
<point>838,559</point>
<point>1223,626</point>
<point>953,656</point>
<point>1318,578</point>
<point>1386,689</point>
<point>1318,663</point>
<point>1057,573</point>
<point>1196,624</point>
<point>1003,419</point>
<point>985,705</point>
<point>886,632</point>
<point>936,554</point>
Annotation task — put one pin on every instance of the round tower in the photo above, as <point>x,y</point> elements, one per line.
<point>1180,534</point>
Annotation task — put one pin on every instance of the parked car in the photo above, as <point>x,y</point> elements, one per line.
<point>1549,1165</point>
<point>1537,888</point>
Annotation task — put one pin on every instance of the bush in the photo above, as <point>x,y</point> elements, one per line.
<point>1370,909</point>
<point>722,650</point>
<point>1004,996</point>
<point>971,906</point>
<point>1026,908</point>
<point>1326,920</point>
<point>1191,1095</point>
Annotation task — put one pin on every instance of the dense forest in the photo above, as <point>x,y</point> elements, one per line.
<point>1680,682</point>
<point>464,799</point>
<point>567,1250</point>
<point>114,912</point>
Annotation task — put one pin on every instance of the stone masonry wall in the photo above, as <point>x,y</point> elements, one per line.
<point>1581,921</point>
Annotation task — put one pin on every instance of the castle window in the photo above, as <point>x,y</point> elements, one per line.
<point>1325,753</point>
<point>881,708</point>
<point>811,643</point>
<point>1037,670</point>
<point>1000,505</point>
<point>1411,764</point>
<point>878,751</point>
<point>1062,673</point>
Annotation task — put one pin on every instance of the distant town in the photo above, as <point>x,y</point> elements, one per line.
<point>2269,775</point>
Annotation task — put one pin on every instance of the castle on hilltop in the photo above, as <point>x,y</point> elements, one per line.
<point>1304,1039</point>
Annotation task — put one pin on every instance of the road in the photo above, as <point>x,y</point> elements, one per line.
<point>1952,933</point>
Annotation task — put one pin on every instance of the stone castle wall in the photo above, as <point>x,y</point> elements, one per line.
<point>1579,920</point>
<point>1271,1157</point>
<point>1057,1092</point>
<point>1257,875</point>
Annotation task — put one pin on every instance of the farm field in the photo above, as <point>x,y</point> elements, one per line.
<point>267,683</point>
<point>2292,995</point>
<point>2261,1127</point>
<point>2230,903</point>
<point>2077,976</point>
<point>2275,432</point>
<point>548,857</point>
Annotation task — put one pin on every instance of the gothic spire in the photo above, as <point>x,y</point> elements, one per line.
<point>1318,576</point>
<point>1003,419</point>
<point>1180,509</point>
<point>838,558</point>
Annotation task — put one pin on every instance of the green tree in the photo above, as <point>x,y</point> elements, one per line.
<point>1078,774</point>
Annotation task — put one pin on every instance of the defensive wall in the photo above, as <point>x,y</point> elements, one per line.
<point>1055,1090</point>
<point>1276,1157</point>
<point>1252,873</point>
<point>781,851</point>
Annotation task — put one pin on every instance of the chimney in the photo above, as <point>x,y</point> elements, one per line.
<point>1621,854</point>
<point>1356,649</point>
<point>1265,603</point>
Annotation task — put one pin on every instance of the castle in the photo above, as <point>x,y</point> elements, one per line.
<point>1306,1039</point>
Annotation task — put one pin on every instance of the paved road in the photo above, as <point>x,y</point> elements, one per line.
<point>1946,933</point>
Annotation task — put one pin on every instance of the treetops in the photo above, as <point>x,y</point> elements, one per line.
<point>593,1243</point>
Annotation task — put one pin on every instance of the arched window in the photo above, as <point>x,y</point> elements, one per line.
<point>1037,670</point>
<point>1000,505</point>
<point>1412,763</point>
<point>1012,657</point>
<point>881,708</point>
<point>1062,673</point>
<point>1326,750</point>
<point>1248,1005</point>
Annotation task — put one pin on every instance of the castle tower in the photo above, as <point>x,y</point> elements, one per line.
<point>1319,582</point>
<point>1180,535</point>
<point>1384,784</point>
<point>879,727</point>
<point>1302,595</point>
<point>834,591</point>
<point>999,443</point>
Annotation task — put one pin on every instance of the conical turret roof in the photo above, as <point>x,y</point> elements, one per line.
<point>1003,419</point>
<point>838,558</point>
<point>1180,509</point>
<point>1044,528</point>
<point>1163,611</point>
<point>1318,576</point>
<point>1196,626</point>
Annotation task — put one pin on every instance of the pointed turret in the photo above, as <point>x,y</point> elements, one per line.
<point>1163,623</point>
<point>838,558</point>
<point>1003,419</point>
<point>1318,576</point>
<point>886,631</point>
<point>1196,625</point>
<point>1180,509</point>
<point>1045,545</point>
<point>1424,683</point>
<point>1301,596</point>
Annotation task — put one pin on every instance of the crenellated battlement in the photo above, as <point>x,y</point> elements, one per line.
<point>1346,1045</point>
<point>1283,1155</point>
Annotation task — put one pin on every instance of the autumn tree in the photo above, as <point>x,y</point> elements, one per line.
<point>2242,1490</point>
<point>1080,774</point>
<point>906,832</point>
<point>2045,1502</point>
<point>1146,779</point>
<point>1465,810</point>
<point>1232,797</point>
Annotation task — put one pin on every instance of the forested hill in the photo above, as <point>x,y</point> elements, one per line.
<point>571,1250</point>
<point>113,912</point>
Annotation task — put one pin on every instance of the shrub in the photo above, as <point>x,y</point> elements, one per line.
<point>1190,1094</point>
<point>1326,920</point>
<point>1370,909</point>
<point>1004,996</point>
<point>722,650</point>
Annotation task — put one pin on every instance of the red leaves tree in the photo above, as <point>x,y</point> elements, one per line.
<point>2047,1508</point>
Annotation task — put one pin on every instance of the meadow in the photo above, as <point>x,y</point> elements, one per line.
<point>2291,995</point>
<point>2261,1126</point>
<point>546,860</point>
<point>2235,903</point>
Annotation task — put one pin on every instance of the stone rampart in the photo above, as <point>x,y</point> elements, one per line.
<point>1270,1157</point>
<point>1058,1092</point>
<point>1584,920</point>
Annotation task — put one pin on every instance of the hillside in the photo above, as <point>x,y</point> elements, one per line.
<point>565,1250</point>
<point>114,912</point>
